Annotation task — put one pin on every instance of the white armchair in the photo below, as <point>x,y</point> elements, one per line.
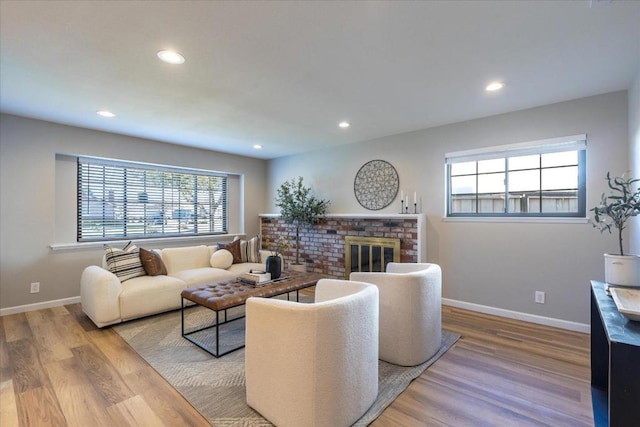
<point>313,364</point>
<point>410,311</point>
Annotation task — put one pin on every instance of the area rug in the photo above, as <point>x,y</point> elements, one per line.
<point>216,387</point>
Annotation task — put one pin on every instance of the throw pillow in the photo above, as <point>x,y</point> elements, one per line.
<point>243,250</point>
<point>221,258</point>
<point>234,248</point>
<point>124,263</point>
<point>152,263</point>
<point>253,249</point>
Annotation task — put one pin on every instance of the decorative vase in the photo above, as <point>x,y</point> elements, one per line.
<point>622,270</point>
<point>274,266</point>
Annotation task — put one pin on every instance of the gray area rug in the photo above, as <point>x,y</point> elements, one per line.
<point>216,387</point>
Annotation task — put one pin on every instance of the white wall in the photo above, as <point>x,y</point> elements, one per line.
<point>38,200</point>
<point>493,264</point>
<point>634,155</point>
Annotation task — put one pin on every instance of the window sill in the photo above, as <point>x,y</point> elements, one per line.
<point>533,220</point>
<point>150,242</point>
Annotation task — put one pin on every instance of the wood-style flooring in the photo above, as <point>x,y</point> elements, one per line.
<point>58,369</point>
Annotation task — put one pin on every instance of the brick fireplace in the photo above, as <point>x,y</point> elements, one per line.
<point>322,246</point>
<point>369,253</point>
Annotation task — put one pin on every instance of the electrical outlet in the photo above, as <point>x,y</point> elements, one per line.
<point>35,287</point>
<point>539,297</point>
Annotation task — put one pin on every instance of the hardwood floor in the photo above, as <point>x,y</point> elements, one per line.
<point>501,372</point>
<point>57,368</point>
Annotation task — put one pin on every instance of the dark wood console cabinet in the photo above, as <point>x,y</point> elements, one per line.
<point>615,363</point>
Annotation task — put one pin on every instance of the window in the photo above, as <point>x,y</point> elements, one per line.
<point>119,199</point>
<point>534,179</point>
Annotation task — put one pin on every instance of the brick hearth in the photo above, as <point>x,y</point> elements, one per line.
<point>322,245</point>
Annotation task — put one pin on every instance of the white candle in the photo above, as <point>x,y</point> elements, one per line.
<point>401,195</point>
<point>415,197</point>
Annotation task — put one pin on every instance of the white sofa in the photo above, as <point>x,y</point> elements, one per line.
<point>106,300</point>
<point>313,364</point>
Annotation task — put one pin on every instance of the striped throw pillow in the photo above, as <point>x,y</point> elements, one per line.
<point>124,263</point>
<point>243,250</point>
<point>253,249</point>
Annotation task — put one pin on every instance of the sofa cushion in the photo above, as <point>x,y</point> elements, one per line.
<point>200,276</point>
<point>245,267</point>
<point>234,248</point>
<point>152,263</point>
<point>124,263</point>
<point>185,258</point>
<point>221,258</point>
<point>147,295</point>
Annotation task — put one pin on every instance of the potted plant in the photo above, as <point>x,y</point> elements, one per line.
<point>299,207</point>
<point>274,261</point>
<point>614,210</point>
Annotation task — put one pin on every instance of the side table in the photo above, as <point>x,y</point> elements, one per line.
<point>615,362</point>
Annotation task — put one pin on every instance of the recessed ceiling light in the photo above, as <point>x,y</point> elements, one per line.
<point>171,57</point>
<point>344,124</point>
<point>105,113</point>
<point>257,146</point>
<point>493,86</point>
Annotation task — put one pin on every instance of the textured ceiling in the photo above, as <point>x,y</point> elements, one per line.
<point>283,74</point>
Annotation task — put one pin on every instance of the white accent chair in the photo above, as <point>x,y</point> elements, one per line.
<point>410,311</point>
<point>313,364</point>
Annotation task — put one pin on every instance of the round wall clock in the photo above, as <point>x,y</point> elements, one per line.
<point>376,184</point>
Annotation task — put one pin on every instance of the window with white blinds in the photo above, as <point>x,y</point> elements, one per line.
<point>118,199</point>
<point>533,179</point>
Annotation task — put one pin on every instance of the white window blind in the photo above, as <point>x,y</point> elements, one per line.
<point>119,199</point>
<point>566,143</point>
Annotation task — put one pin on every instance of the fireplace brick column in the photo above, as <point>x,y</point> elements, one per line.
<point>322,244</point>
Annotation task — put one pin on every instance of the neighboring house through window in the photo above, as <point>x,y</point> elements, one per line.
<point>533,179</point>
<point>118,199</point>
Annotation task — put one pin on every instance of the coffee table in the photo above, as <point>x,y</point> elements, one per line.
<point>222,296</point>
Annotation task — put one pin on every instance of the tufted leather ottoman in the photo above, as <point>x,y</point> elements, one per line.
<point>221,296</point>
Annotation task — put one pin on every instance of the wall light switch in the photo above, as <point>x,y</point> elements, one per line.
<point>539,297</point>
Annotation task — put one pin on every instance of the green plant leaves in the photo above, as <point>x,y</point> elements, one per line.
<point>618,207</point>
<point>297,205</point>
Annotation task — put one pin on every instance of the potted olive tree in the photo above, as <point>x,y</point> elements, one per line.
<point>299,207</point>
<point>614,210</point>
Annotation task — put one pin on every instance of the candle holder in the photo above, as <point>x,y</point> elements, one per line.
<point>402,206</point>
<point>415,208</point>
<point>406,209</point>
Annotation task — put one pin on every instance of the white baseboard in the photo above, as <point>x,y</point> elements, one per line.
<point>38,306</point>
<point>533,318</point>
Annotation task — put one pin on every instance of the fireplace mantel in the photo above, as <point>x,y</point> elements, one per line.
<point>358,215</point>
<point>324,243</point>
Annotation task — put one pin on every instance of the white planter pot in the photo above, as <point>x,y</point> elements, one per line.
<point>622,270</point>
<point>298,267</point>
